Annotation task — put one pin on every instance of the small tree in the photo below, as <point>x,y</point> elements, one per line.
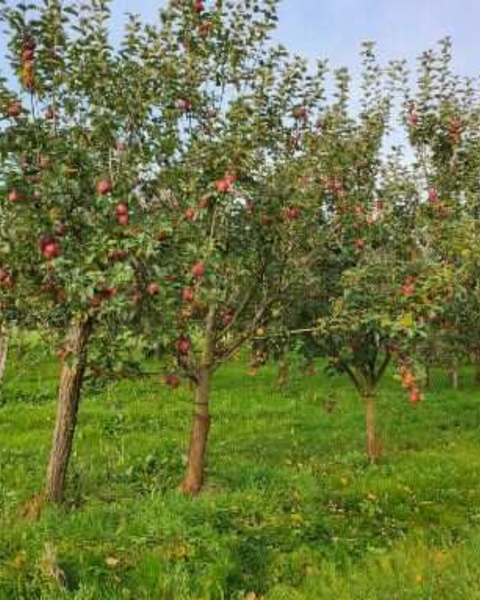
<point>74,149</point>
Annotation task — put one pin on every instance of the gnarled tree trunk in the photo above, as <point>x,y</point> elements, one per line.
<point>195,474</point>
<point>373,443</point>
<point>4,344</point>
<point>71,379</point>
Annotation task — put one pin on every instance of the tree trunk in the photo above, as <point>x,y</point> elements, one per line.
<point>373,444</point>
<point>454,373</point>
<point>193,482</point>
<point>283,375</point>
<point>71,379</point>
<point>4,343</point>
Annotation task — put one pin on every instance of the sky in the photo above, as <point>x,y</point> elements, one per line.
<point>335,29</point>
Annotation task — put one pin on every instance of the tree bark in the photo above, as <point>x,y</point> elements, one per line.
<point>373,444</point>
<point>193,482</point>
<point>283,375</point>
<point>4,344</point>
<point>454,374</point>
<point>71,380</point>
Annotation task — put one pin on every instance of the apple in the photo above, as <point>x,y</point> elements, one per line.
<point>190,214</point>
<point>104,187</point>
<point>15,196</point>
<point>123,220</point>
<point>50,113</point>
<point>172,381</point>
<point>122,213</point>
<point>300,113</point>
<point>198,6</point>
<point>6,278</point>
<point>119,255</point>
<point>137,296</point>
<point>205,28</point>
<point>360,244</point>
<point>408,287</point>
<point>413,118</point>
<point>14,109</point>
<point>225,184</point>
<point>188,295</point>
<point>108,292</point>
<point>183,345</point>
<point>153,289</point>
<point>204,203</point>
<point>415,395</point>
<point>198,269</point>
<point>433,195</point>
<point>184,104</point>
<point>49,247</point>
<point>95,300</point>
<point>293,213</point>
<point>121,208</point>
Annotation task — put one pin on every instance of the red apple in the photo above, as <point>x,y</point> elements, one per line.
<point>433,195</point>
<point>49,247</point>
<point>183,345</point>
<point>190,214</point>
<point>415,396</point>
<point>198,6</point>
<point>225,184</point>
<point>119,255</point>
<point>104,187</point>
<point>14,109</point>
<point>123,220</point>
<point>293,213</point>
<point>198,269</point>
<point>300,113</point>
<point>50,113</point>
<point>184,104</point>
<point>15,196</point>
<point>360,244</point>
<point>121,208</point>
<point>188,295</point>
<point>172,381</point>
<point>205,28</point>
<point>153,289</point>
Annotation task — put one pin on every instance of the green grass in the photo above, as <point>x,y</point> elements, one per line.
<point>291,509</point>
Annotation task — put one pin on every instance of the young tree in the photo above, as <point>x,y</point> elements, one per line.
<point>241,115</point>
<point>74,147</point>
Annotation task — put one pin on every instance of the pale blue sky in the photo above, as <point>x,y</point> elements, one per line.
<point>334,29</point>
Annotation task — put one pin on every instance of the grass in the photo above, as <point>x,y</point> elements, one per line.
<point>291,509</point>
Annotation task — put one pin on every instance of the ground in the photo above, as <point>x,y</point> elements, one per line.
<point>291,509</point>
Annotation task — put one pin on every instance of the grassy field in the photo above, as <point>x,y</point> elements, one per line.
<point>291,509</point>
